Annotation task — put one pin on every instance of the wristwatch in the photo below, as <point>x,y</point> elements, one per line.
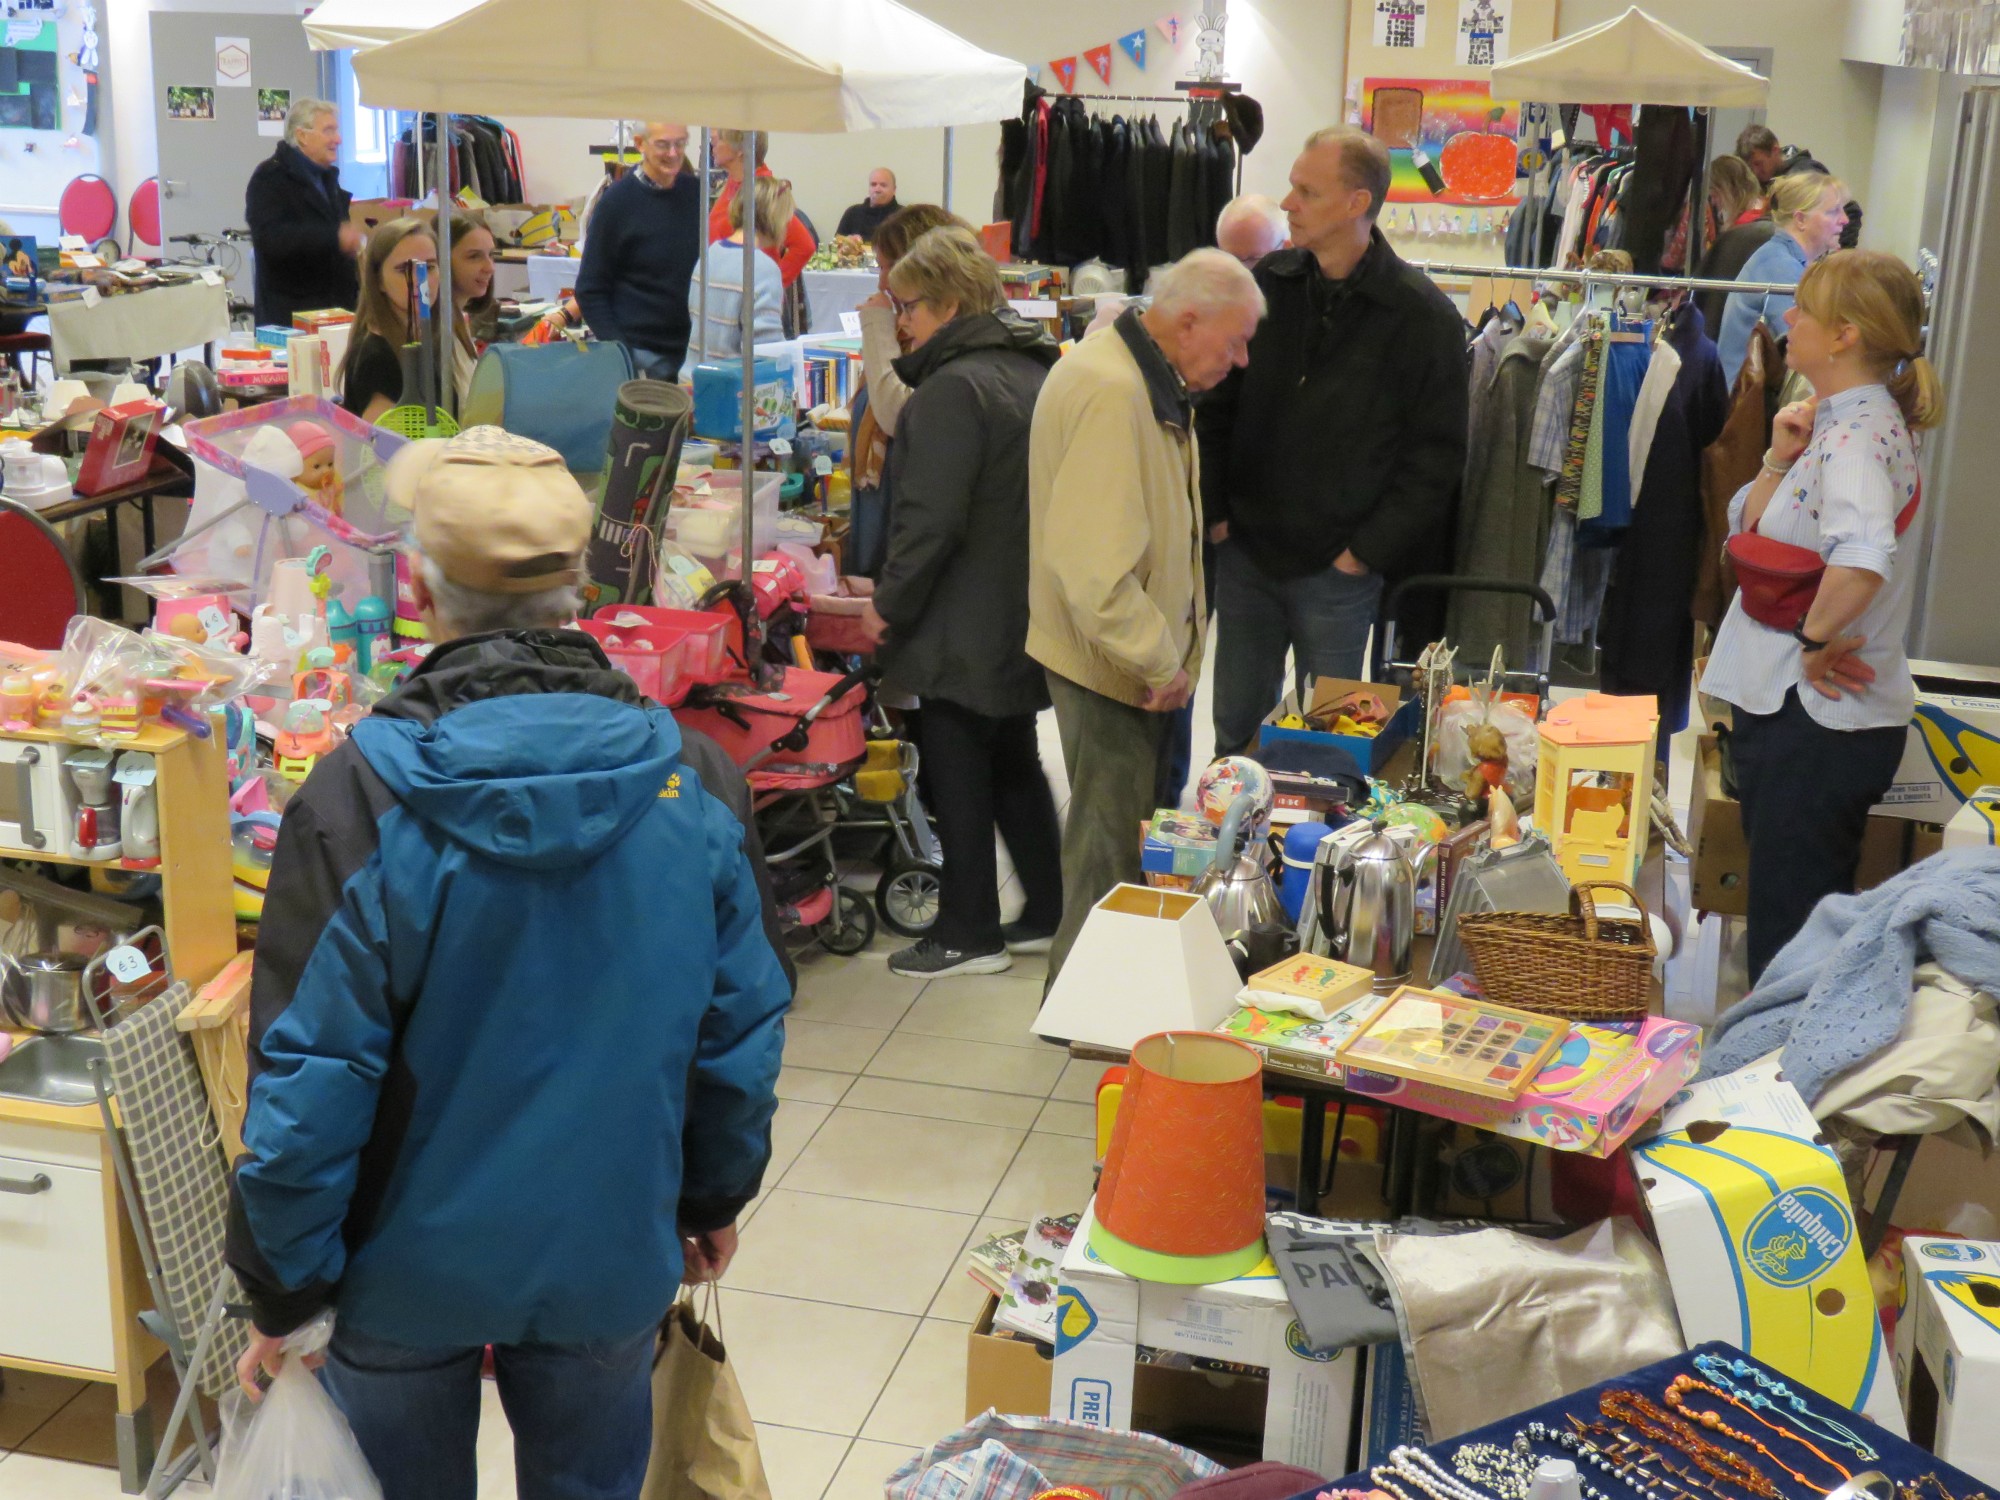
<point>1811,645</point>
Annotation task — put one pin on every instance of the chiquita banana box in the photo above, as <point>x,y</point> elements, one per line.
<point>1759,1238</point>
<point>1948,1351</point>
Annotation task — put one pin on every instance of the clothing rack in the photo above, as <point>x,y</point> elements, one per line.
<point>1600,278</point>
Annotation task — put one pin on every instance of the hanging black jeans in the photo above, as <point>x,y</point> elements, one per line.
<point>983,773</point>
<point>1806,791</point>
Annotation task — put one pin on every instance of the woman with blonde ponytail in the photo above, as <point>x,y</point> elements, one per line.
<point>1811,653</point>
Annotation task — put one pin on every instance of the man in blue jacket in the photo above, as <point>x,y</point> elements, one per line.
<point>516,1020</point>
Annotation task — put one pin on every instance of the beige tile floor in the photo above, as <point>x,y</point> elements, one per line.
<point>913,1120</point>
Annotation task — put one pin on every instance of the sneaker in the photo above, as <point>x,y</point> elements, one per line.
<point>1021,938</point>
<point>930,959</point>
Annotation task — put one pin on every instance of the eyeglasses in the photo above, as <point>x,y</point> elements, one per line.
<point>904,309</point>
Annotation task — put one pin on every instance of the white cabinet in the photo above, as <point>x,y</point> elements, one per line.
<point>55,1270</point>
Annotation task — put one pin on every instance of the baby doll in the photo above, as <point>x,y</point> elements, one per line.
<point>320,476</point>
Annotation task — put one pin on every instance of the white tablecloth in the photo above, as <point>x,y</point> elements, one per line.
<point>831,293</point>
<point>552,276</point>
<point>139,325</point>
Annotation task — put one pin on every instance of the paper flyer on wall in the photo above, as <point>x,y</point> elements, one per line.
<point>232,62</point>
<point>1400,23</point>
<point>272,107</point>
<point>1482,32</point>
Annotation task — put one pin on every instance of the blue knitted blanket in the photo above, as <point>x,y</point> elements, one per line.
<point>1835,995</point>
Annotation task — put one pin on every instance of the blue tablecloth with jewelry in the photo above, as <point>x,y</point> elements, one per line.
<point>1711,1424</point>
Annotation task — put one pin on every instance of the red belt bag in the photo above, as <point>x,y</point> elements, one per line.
<point>1779,580</point>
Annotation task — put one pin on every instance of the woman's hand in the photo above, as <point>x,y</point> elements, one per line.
<point>879,299</point>
<point>873,625</point>
<point>1791,430</point>
<point>1836,670</point>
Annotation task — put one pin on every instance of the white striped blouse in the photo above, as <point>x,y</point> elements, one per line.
<point>1840,498</point>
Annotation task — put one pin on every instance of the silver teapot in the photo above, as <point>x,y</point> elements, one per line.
<point>1237,883</point>
<point>44,992</point>
<point>1368,906</point>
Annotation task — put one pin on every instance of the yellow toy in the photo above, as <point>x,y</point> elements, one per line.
<point>1594,784</point>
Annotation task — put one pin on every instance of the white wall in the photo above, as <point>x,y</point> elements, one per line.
<point>1900,182</point>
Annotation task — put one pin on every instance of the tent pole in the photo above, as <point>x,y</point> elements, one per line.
<point>947,165</point>
<point>443,329</point>
<point>701,238</point>
<point>746,312</point>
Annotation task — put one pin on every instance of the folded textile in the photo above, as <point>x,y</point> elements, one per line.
<point>1554,1315</point>
<point>1837,993</point>
<point>1940,1076</point>
<point>1335,1283</point>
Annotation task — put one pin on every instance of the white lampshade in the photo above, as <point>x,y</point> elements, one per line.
<point>1147,960</point>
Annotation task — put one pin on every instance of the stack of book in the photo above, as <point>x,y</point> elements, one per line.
<point>832,372</point>
<point>1019,1269</point>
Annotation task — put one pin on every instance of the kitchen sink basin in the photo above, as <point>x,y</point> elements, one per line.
<point>51,1070</point>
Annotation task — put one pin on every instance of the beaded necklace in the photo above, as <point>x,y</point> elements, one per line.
<point>1663,1426</point>
<point>1730,1375</point>
<point>1677,1397</point>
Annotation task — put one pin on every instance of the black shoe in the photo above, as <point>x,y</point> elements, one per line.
<point>1021,938</point>
<point>930,959</point>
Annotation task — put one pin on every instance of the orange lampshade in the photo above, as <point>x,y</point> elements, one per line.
<point>1181,1198</point>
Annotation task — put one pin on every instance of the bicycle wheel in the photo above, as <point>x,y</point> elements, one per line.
<point>908,896</point>
<point>851,928</point>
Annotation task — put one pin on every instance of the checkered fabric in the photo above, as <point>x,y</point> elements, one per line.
<point>183,1184</point>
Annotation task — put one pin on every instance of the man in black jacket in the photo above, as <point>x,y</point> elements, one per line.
<point>297,213</point>
<point>1329,459</point>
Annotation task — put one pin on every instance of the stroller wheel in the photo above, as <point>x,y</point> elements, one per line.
<point>908,896</point>
<point>851,928</point>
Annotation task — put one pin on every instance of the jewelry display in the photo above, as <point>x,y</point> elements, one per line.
<point>1656,1422</point>
<point>1677,1397</point>
<point>1730,1375</point>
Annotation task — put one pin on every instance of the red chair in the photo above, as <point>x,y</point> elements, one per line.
<point>88,208</point>
<point>142,220</point>
<point>40,587</point>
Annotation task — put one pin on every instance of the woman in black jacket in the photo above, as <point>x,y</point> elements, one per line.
<point>952,600</point>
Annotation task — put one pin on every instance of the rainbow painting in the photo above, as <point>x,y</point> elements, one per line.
<point>1449,140</point>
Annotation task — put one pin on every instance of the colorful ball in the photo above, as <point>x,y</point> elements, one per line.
<point>1229,778</point>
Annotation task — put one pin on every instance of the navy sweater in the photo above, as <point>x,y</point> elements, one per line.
<point>638,260</point>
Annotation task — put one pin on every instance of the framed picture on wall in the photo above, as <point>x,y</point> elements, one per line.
<point>1449,140</point>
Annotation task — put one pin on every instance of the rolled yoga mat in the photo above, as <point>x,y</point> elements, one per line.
<point>648,425</point>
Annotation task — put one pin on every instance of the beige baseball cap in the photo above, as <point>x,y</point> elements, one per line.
<point>497,512</point>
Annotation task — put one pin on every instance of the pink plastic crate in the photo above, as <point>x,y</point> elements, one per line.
<point>652,656</point>
<point>705,657</point>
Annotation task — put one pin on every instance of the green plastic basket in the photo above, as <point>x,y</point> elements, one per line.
<point>413,422</point>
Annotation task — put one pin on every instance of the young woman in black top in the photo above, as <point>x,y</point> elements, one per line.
<point>372,373</point>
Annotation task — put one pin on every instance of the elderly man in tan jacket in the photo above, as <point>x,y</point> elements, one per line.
<point>1114,554</point>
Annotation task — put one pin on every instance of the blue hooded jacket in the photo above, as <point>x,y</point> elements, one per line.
<point>520,1023</point>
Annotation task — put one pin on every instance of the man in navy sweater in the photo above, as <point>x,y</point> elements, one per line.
<point>639,257</point>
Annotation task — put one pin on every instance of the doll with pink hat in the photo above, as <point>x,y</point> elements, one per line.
<point>320,474</point>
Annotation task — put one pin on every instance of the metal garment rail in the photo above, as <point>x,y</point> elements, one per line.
<point>1601,278</point>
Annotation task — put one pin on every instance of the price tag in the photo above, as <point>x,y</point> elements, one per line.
<point>212,277</point>
<point>212,621</point>
<point>782,447</point>
<point>127,964</point>
<point>850,324</point>
<point>1035,307</point>
<point>91,296</point>
<point>822,466</point>
<point>86,262</point>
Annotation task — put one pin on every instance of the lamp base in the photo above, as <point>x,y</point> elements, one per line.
<point>1176,1270</point>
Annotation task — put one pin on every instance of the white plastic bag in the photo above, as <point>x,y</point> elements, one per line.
<point>295,1444</point>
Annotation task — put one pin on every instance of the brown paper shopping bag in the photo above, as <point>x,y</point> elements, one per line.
<point>704,1444</point>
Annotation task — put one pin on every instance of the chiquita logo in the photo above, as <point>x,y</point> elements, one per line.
<point>1074,1320</point>
<point>1952,1252</point>
<point>1797,1236</point>
<point>1295,1340</point>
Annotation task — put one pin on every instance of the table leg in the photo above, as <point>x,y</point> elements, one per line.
<point>1403,1146</point>
<point>146,525</point>
<point>1312,1136</point>
<point>1339,1136</point>
<point>135,1448</point>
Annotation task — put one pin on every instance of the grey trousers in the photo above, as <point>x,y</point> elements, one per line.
<point>1112,753</point>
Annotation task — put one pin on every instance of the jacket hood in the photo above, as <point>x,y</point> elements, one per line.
<point>513,746</point>
<point>1006,329</point>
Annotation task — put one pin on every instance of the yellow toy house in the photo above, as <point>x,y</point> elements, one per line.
<point>1594,784</point>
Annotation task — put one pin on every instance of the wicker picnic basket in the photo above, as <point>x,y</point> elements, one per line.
<point>1575,964</point>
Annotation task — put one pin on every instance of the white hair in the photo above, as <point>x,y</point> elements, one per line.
<point>464,611</point>
<point>302,115</point>
<point>1205,281</point>
<point>1255,208</point>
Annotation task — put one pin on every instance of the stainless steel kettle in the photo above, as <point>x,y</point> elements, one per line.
<point>1369,906</point>
<point>1237,883</point>
<point>44,992</point>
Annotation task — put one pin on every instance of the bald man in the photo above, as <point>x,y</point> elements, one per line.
<point>866,217</point>
<point>639,257</point>
<point>1250,227</point>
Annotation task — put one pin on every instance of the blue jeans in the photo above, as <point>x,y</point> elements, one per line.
<point>649,364</point>
<point>1322,618</point>
<point>582,1415</point>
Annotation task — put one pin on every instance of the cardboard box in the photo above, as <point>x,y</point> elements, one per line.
<point>1752,1216</point>
<point>1948,1351</point>
<point>1177,843</point>
<point>321,319</point>
<point>1719,874</point>
<point>1977,824</point>
<point>122,439</point>
<point>1954,744</point>
<point>1371,753</point>
<point>1105,1316</point>
<point>1009,1376</point>
<point>370,214</point>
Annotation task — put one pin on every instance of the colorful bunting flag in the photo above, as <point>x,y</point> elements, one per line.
<point>1065,73</point>
<point>1099,57</point>
<point>1134,43</point>
<point>1170,28</point>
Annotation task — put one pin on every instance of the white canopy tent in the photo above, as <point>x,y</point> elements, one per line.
<point>761,65</point>
<point>1634,59</point>
<point>367,24</point>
